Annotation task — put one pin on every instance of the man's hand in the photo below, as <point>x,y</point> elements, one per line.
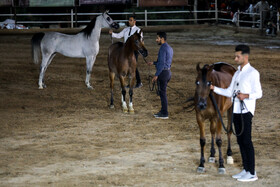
<point>150,63</point>
<point>242,96</point>
<point>155,79</point>
<point>110,31</point>
<point>211,87</point>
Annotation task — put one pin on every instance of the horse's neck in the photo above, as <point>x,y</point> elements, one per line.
<point>128,47</point>
<point>96,32</point>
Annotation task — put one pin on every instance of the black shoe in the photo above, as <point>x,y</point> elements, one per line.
<point>162,116</point>
<point>157,114</point>
<point>138,85</point>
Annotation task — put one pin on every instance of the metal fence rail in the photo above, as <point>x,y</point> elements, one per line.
<point>212,15</point>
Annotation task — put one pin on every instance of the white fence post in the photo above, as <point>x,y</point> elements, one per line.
<point>216,11</point>
<point>261,20</point>
<point>146,18</point>
<point>72,18</point>
<point>195,11</point>
<point>238,18</point>
<point>278,21</point>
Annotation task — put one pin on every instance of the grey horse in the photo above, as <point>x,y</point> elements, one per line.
<point>84,44</point>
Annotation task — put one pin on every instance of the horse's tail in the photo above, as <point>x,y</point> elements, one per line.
<point>36,46</point>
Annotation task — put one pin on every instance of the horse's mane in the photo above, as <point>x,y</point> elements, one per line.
<point>204,72</point>
<point>218,66</point>
<point>88,30</point>
<point>120,44</point>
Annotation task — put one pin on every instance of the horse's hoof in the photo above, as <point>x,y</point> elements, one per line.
<point>131,110</point>
<point>41,88</point>
<point>125,110</point>
<point>90,87</point>
<point>112,106</point>
<point>230,160</point>
<point>200,170</point>
<point>222,170</point>
<point>211,160</point>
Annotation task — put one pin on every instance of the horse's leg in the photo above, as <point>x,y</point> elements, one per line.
<point>229,129</point>
<point>112,77</point>
<point>222,169</point>
<point>124,106</point>
<point>131,84</point>
<point>46,59</point>
<point>213,123</point>
<point>201,168</point>
<point>90,61</point>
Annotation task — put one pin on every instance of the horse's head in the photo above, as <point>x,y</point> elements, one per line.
<point>138,43</point>
<point>203,82</point>
<point>107,21</point>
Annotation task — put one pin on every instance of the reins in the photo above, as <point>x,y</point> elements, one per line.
<point>152,85</point>
<point>242,121</point>
<point>219,113</point>
<point>155,85</point>
<point>220,116</point>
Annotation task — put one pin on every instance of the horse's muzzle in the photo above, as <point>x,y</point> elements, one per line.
<point>144,52</point>
<point>115,25</point>
<point>202,104</point>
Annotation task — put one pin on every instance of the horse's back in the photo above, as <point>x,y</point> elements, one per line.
<point>224,67</point>
<point>115,47</point>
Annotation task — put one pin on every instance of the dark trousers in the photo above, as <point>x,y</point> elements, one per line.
<point>245,140</point>
<point>138,79</point>
<point>163,78</point>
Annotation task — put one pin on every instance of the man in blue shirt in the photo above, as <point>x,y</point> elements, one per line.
<point>163,73</point>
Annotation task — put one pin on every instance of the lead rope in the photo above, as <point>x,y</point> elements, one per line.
<point>217,109</point>
<point>152,85</point>
<point>242,104</point>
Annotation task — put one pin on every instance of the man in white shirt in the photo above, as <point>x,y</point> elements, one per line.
<point>245,88</point>
<point>125,34</point>
<point>262,7</point>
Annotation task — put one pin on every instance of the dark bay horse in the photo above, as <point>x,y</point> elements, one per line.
<point>122,62</point>
<point>218,74</point>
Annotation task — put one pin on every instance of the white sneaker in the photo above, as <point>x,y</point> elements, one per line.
<point>239,175</point>
<point>248,177</point>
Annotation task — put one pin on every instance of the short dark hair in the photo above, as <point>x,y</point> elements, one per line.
<point>162,35</point>
<point>132,16</point>
<point>245,49</point>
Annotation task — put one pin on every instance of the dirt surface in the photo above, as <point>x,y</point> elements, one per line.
<point>66,135</point>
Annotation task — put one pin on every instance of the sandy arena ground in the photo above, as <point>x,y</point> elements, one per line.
<point>66,135</point>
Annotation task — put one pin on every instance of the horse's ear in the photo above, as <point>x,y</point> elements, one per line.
<point>197,67</point>
<point>106,12</point>
<point>211,68</point>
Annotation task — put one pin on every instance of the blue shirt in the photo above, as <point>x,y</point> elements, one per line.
<point>164,60</point>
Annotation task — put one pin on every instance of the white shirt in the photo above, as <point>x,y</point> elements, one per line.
<point>247,81</point>
<point>261,6</point>
<point>125,33</point>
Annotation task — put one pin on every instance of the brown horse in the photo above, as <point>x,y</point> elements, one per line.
<point>122,62</point>
<point>218,74</point>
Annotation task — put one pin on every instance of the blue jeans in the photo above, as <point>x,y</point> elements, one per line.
<point>163,78</point>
